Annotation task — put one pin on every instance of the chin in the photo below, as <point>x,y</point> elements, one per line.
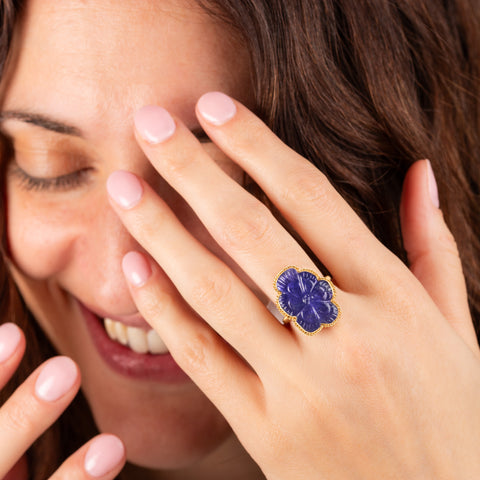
<point>167,439</point>
<point>164,419</point>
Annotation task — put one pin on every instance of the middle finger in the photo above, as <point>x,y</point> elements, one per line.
<point>242,225</point>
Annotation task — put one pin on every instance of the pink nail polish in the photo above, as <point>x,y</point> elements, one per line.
<point>432,186</point>
<point>9,339</point>
<point>136,268</point>
<point>124,188</point>
<point>154,124</point>
<point>57,377</point>
<point>104,454</point>
<point>216,108</point>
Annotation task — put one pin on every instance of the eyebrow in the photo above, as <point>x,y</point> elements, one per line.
<point>56,126</point>
<point>41,121</point>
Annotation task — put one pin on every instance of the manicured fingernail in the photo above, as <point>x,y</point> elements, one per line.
<point>432,186</point>
<point>154,124</point>
<point>104,454</point>
<point>56,379</point>
<point>9,339</point>
<point>136,268</point>
<point>124,188</point>
<point>216,108</point>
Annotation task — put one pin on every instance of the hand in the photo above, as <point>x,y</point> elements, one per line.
<point>390,391</point>
<point>35,405</point>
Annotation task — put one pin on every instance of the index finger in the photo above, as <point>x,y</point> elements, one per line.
<point>303,194</point>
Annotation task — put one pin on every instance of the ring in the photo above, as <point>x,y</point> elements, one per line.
<point>306,299</point>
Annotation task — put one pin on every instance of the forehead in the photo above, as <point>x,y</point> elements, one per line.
<point>119,55</point>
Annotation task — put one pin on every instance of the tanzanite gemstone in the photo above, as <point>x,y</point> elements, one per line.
<point>306,299</point>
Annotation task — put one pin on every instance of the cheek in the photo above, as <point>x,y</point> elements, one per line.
<point>45,236</point>
<point>40,235</point>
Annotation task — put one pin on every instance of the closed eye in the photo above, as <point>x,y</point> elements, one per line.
<point>65,182</point>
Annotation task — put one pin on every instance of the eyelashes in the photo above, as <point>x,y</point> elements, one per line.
<point>65,182</point>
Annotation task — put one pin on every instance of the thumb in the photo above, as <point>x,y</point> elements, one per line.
<point>431,249</point>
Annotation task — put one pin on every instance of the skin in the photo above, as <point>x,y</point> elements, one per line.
<point>398,374</point>
<point>169,55</point>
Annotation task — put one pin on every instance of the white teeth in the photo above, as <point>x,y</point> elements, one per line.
<point>120,332</point>
<point>110,328</point>
<point>137,339</point>
<point>155,343</point>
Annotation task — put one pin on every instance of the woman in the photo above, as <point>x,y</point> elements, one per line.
<point>136,233</point>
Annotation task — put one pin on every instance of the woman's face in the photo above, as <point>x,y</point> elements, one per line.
<point>79,71</point>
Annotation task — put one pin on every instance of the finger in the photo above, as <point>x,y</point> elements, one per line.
<point>12,347</point>
<point>299,190</point>
<point>34,406</point>
<point>202,354</point>
<point>102,457</point>
<point>242,225</point>
<point>204,281</point>
<point>432,251</point>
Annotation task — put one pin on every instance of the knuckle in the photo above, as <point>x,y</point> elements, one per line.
<point>176,166</point>
<point>195,354</point>
<point>247,229</point>
<point>393,286</point>
<point>304,188</point>
<point>156,303</point>
<point>210,289</point>
<point>143,224</point>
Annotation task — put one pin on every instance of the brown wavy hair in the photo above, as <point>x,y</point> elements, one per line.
<point>362,89</point>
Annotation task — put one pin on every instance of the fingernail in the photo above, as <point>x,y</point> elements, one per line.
<point>216,108</point>
<point>124,188</point>
<point>9,339</point>
<point>104,454</point>
<point>432,186</point>
<point>56,379</point>
<point>136,268</point>
<point>154,124</point>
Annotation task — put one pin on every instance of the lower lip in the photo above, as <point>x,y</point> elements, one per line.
<point>159,368</point>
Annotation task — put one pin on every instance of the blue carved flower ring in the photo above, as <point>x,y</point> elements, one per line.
<point>306,299</point>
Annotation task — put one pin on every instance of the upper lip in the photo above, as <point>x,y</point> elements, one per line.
<point>132,320</point>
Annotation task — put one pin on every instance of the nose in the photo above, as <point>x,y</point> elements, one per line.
<point>105,244</point>
<point>102,242</point>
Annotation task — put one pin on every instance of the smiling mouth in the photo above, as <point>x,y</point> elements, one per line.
<point>132,351</point>
<point>137,339</point>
